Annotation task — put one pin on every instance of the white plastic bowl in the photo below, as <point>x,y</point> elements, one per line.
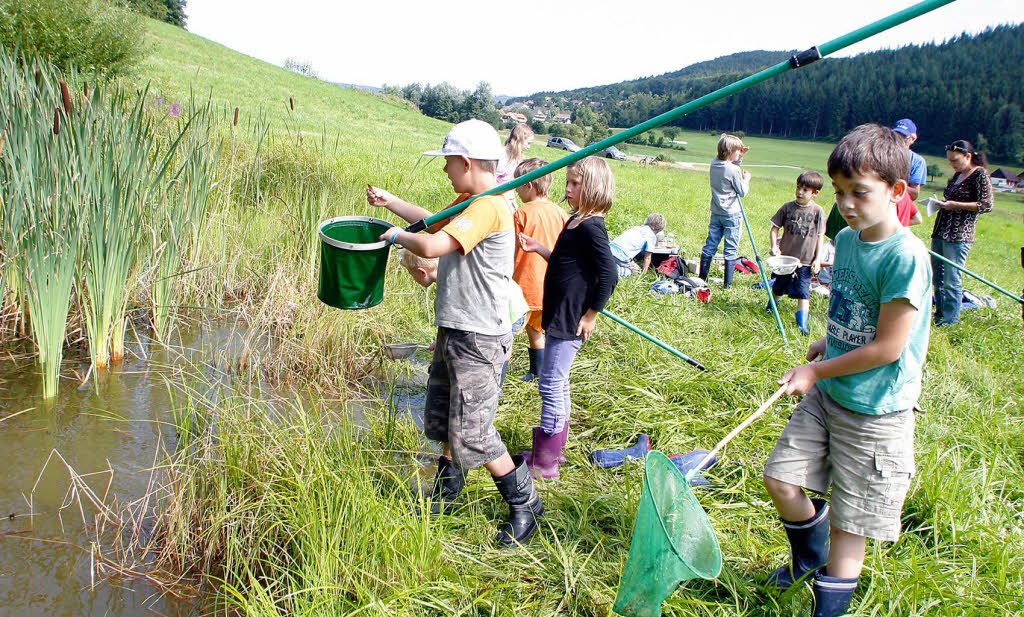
<point>782,265</point>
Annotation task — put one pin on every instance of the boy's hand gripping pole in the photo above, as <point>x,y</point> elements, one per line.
<point>797,61</point>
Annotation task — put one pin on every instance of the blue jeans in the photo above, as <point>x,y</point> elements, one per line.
<point>947,280</point>
<point>555,402</point>
<point>723,226</point>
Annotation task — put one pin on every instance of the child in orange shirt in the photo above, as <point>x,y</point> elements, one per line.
<point>542,220</point>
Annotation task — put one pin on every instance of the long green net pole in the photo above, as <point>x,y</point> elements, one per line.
<point>672,350</point>
<point>969,273</point>
<point>797,61</point>
<point>764,279</point>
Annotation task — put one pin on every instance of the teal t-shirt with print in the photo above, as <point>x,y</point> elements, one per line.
<point>867,275</point>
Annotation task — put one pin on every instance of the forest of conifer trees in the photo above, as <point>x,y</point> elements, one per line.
<point>969,87</point>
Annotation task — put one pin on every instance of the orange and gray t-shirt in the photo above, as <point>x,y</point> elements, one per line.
<point>473,282</point>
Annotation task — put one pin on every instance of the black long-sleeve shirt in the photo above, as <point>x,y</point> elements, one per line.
<point>581,276</point>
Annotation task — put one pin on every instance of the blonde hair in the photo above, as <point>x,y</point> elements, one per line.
<point>516,144</point>
<point>597,186</point>
<point>411,261</point>
<point>728,144</point>
<point>541,184</point>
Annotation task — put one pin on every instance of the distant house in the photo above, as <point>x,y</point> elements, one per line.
<point>1003,178</point>
<point>514,116</point>
<point>562,118</point>
<point>540,116</point>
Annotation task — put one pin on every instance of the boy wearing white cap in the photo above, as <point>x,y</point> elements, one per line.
<point>474,334</point>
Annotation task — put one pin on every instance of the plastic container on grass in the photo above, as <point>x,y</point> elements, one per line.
<point>353,260</point>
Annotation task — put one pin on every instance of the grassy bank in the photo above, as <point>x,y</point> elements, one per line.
<point>287,508</point>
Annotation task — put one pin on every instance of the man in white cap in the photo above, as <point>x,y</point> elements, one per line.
<point>474,330</point>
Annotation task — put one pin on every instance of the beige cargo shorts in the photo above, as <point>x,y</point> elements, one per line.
<point>867,459</point>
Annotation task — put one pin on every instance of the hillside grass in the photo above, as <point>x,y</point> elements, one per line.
<point>285,507</point>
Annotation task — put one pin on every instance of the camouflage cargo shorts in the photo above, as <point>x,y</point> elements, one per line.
<point>462,395</point>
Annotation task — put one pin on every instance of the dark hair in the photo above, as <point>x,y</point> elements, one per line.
<point>965,147</point>
<point>871,148</point>
<point>811,179</point>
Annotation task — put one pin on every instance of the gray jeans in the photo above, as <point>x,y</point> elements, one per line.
<point>554,382</point>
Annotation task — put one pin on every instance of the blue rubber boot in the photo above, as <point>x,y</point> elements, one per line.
<point>614,458</point>
<point>801,322</point>
<point>536,361</point>
<point>809,543</point>
<point>730,272</point>
<point>705,268</point>
<point>832,595</point>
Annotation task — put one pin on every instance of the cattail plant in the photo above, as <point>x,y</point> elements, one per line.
<point>235,122</point>
<point>291,103</point>
<point>39,186</point>
<point>180,217</point>
<point>65,96</point>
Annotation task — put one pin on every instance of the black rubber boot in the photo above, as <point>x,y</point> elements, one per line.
<point>832,595</point>
<point>524,505</point>
<point>536,360</point>
<point>809,544</point>
<point>448,485</point>
<point>705,267</point>
<point>730,271</point>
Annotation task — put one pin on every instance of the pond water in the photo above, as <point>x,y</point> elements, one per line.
<point>109,430</point>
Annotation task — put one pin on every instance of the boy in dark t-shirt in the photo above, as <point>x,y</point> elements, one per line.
<point>803,224</point>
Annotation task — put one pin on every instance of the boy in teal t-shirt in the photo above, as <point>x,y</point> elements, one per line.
<point>854,429</point>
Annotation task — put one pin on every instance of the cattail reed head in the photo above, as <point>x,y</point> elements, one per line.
<point>56,121</point>
<point>235,123</point>
<point>65,96</point>
<point>291,103</point>
<point>85,88</point>
<point>3,140</point>
<point>39,78</point>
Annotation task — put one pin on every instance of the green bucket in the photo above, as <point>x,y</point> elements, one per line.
<point>353,259</point>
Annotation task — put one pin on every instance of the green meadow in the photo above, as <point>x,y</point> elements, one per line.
<point>291,505</point>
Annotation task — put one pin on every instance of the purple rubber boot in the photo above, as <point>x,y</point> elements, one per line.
<point>562,438</point>
<point>543,460</point>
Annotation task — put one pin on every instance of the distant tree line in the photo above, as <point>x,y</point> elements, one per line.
<point>171,11</point>
<point>446,102</point>
<point>969,87</point>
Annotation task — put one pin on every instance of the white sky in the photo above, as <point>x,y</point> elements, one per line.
<point>522,47</point>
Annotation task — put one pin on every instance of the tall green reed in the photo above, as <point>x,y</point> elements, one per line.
<point>41,189</point>
<point>81,179</point>
<point>180,217</point>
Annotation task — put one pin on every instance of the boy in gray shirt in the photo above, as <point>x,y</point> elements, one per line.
<point>728,184</point>
<point>803,234</point>
<point>474,329</point>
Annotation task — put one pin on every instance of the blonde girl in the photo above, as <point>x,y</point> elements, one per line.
<point>580,278</point>
<point>518,141</point>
